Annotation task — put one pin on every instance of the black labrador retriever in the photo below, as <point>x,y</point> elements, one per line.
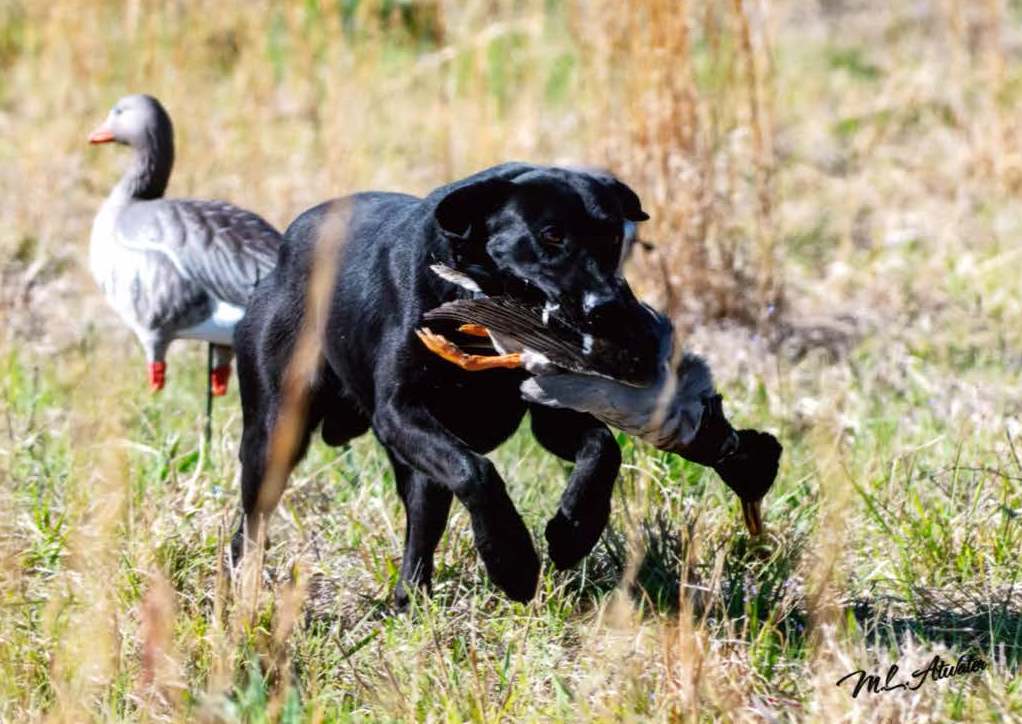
<point>544,234</point>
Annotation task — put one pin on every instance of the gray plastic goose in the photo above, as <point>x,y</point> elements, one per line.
<point>173,268</point>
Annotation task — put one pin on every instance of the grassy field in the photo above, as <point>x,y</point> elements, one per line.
<point>834,191</point>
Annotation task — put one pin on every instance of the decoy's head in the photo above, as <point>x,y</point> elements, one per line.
<point>551,236</point>
<point>139,121</point>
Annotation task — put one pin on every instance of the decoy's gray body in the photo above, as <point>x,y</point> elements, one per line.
<point>173,268</point>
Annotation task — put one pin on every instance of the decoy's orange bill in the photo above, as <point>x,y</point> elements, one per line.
<point>101,135</point>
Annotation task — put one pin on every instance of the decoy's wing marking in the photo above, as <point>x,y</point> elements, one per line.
<point>221,247</point>
<point>229,249</point>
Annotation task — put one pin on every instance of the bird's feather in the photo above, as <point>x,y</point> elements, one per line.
<point>456,277</point>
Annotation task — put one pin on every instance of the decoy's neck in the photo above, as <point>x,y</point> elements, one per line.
<point>149,172</point>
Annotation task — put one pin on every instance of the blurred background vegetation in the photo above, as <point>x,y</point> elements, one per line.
<point>833,188</point>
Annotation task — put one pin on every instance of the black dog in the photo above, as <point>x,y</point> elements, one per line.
<point>538,233</point>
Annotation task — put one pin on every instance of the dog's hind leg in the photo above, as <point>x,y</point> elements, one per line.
<point>585,504</point>
<point>256,445</point>
<point>263,355</point>
<point>253,453</point>
<point>427,505</point>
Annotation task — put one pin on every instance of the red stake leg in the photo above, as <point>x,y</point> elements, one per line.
<point>218,380</point>
<point>157,375</point>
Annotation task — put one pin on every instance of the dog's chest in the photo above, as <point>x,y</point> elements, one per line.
<point>483,409</point>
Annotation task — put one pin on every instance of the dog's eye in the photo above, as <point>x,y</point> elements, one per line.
<point>552,236</point>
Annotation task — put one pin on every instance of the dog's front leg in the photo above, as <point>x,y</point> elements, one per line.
<point>411,433</point>
<point>426,507</point>
<point>585,504</point>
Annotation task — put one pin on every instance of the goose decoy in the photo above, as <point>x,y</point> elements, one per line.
<point>173,268</point>
<point>678,411</point>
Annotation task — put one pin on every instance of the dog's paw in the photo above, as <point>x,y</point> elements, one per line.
<point>510,559</point>
<point>518,580</point>
<point>402,597</point>
<point>569,541</point>
<point>516,574</point>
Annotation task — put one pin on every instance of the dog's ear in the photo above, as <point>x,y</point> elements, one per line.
<point>461,214</point>
<point>631,207</point>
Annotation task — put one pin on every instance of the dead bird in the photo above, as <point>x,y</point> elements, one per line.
<point>678,410</point>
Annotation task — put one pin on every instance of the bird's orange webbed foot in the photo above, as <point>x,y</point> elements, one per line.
<point>443,347</point>
<point>157,375</point>
<point>218,380</point>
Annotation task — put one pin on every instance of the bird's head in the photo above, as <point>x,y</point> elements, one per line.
<point>750,472</point>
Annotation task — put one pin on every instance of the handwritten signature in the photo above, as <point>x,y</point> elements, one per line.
<point>935,670</point>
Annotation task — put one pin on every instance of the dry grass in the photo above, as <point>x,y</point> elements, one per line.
<point>833,189</point>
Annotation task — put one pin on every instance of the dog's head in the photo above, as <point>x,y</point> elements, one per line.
<point>549,235</point>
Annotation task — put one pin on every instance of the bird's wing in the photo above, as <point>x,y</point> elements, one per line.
<point>217,245</point>
<point>634,361</point>
<point>557,341</point>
